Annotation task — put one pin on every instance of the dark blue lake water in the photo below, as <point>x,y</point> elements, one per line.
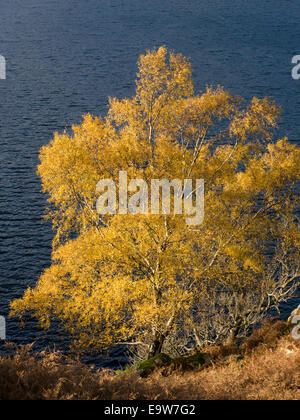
<point>65,57</point>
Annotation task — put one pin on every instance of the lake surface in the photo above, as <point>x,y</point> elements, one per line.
<point>65,57</point>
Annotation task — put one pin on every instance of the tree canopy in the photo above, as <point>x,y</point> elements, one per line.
<point>152,279</point>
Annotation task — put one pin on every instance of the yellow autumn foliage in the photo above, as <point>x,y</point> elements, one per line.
<point>137,278</point>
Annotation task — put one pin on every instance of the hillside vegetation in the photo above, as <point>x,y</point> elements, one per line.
<point>266,366</point>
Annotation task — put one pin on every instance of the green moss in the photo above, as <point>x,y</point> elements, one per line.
<point>161,360</point>
<point>156,361</point>
<point>233,358</point>
<point>190,362</point>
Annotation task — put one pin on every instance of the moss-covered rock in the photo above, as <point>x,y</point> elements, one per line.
<point>162,360</point>
<point>147,366</point>
<point>191,362</point>
<point>233,358</point>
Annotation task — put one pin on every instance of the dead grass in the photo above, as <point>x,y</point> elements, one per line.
<point>269,370</point>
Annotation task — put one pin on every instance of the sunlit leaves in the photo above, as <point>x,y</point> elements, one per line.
<point>129,277</point>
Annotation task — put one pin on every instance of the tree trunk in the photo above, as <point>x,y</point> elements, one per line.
<point>156,346</point>
<point>199,343</point>
<point>232,335</point>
